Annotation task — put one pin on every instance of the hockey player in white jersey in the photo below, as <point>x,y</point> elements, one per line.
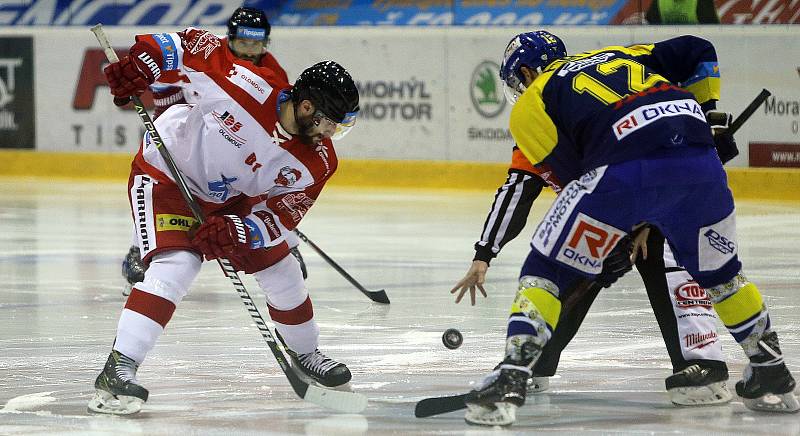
<point>251,136</point>
<point>247,38</point>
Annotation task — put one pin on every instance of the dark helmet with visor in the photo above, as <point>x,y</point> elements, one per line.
<point>332,91</point>
<point>249,23</point>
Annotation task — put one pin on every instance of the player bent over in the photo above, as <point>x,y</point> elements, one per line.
<point>247,39</point>
<point>250,137</point>
<point>612,128</point>
<point>685,316</point>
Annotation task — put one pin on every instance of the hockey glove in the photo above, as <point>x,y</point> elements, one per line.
<point>723,141</point>
<point>132,74</point>
<point>617,264</point>
<point>222,236</point>
<point>726,145</point>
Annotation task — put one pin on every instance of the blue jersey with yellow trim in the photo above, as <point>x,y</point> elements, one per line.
<point>616,104</point>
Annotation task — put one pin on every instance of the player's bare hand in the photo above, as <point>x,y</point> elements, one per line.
<point>473,280</point>
<point>640,243</point>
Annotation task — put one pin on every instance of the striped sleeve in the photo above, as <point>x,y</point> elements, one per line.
<point>166,49</point>
<point>509,213</point>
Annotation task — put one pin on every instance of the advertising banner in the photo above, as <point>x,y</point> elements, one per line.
<point>425,95</point>
<point>17,106</point>
<point>729,12</point>
<point>402,102</point>
<point>294,13</point>
<point>766,154</point>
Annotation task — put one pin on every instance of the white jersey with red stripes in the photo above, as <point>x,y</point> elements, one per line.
<point>230,142</point>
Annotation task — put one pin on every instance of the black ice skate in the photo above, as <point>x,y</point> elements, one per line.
<point>699,384</point>
<point>296,253</point>
<point>132,269</point>
<point>767,385</point>
<point>495,400</point>
<point>117,391</point>
<point>318,368</point>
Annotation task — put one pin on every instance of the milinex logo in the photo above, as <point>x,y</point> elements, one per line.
<point>17,110</point>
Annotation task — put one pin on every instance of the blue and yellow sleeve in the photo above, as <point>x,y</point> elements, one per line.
<point>687,61</point>
<point>533,130</point>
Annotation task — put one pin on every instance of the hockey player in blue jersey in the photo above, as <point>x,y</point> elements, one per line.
<point>621,133</point>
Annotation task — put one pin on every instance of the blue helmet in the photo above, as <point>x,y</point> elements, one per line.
<point>535,50</point>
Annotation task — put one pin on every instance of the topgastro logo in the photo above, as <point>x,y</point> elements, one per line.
<point>690,294</point>
<point>485,90</point>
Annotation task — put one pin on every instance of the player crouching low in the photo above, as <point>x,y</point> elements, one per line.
<point>235,147</point>
<point>614,154</point>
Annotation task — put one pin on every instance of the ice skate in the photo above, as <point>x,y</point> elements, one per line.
<point>538,384</point>
<point>496,399</point>
<point>319,369</point>
<point>117,390</point>
<point>767,385</point>
<point>296,253</point>
<point>699,385</point>
<point>132,269</point>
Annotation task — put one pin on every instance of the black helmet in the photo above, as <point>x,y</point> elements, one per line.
<point>329,86</point>
<point>248,23</point>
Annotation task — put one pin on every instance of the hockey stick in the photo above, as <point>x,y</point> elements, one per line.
<point>748,111</point>
<point>376,296</point>
<point>438,405</point>
<point>347,402</point>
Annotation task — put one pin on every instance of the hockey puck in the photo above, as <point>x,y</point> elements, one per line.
<point>452,339</point>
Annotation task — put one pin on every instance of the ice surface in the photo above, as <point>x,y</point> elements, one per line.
<point>211,373</point>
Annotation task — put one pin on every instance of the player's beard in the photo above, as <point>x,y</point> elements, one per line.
<point>305,125</point>
<point>255,59</point>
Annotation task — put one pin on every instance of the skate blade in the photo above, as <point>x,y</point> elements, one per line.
<point>104,402</point>
<point>538,384</point>
<point>345,387</point>
<point>502,414</point>
<point>780,403</point>
<point>709,395</point>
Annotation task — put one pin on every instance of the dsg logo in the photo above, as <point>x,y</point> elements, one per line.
<point>719,242</point>
<point>485,90</point>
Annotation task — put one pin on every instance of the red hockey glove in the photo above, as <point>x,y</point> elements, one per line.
<point>222,236</point>
<point>133,73</point>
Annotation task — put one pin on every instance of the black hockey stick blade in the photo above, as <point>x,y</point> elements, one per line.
<point>376,296</point>
<point>748,111</point>
<point>438,405</point>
